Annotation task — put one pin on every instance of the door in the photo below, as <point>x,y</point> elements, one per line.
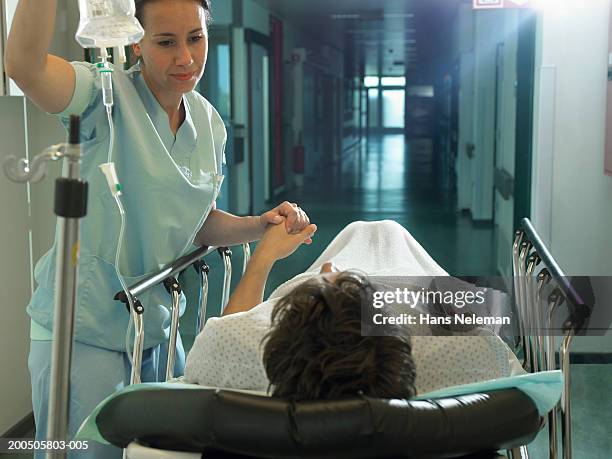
<point>526,58</point>
<point>216,87</point>
<point>259,127</point>
<point>504,152</point>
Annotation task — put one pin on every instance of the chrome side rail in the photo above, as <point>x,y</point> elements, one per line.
<point>173,287</point>
<point>226,254</point>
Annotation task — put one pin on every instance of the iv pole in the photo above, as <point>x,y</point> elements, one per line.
<point>70,206</point>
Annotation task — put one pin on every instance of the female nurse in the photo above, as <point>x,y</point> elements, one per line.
<point>169,152</point>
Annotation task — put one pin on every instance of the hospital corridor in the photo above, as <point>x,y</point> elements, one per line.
<point>306,229</point>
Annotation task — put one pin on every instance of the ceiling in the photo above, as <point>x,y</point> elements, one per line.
<point>392,35</point>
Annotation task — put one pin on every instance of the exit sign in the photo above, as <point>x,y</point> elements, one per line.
<point>491,4</point>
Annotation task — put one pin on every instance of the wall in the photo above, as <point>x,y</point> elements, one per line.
<point>573,43</point>
<point>30,229</point>
<point>256,17</point>
<point>15,402</point>
<point>222,12</point>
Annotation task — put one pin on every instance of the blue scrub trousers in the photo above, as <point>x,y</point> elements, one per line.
<point>96,373</point>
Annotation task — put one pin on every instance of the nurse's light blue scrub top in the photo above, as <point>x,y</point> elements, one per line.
<point>169,187</point>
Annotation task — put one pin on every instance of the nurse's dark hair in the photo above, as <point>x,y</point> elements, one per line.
<point>140,4</point>
<point>315,349</point>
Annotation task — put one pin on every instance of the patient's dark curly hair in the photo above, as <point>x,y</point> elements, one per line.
<point>315,348</point>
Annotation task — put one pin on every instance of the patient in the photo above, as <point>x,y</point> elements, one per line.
<point>305,341</point>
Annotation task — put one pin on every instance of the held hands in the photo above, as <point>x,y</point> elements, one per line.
<point>294,217</point>
<point>277,243</point>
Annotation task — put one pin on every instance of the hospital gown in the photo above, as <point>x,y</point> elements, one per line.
<point>228,352</point>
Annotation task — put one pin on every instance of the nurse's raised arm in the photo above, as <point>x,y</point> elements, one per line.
<point>47,80</point>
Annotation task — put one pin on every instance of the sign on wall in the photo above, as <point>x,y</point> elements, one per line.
<point>493,4</point>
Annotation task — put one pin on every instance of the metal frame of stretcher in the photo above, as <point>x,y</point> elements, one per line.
<point>168,276</point>
<point>534,314</point>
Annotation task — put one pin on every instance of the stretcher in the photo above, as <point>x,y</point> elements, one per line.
<point>190,422</point>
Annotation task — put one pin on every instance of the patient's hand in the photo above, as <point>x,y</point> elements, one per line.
<point>277,244</point>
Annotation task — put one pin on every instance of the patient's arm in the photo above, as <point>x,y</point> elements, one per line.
<point>275,245</point>
<point>249,291</point>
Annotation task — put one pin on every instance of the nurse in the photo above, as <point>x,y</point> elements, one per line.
<point>169,152</point>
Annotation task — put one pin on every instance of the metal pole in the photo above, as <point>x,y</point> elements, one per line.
<point>525,247</point>
<point>246,249</point>
<point>226,254</point>
<point>566,420</point>
<point>135,377</point>
<point>580,311</point>
<point>172,286</point>
<point>70,207</point>
<point>63,332</point>
<point>554,301</point>
<point>519,453</point>
<point>543,279</point>
<point>202,269</point>
<point>517,294</point>
<point>173,269</point>
<point>532,309</point>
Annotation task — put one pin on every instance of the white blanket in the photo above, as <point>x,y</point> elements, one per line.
<point>381,248</point>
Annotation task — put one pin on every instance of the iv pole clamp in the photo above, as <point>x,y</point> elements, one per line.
<point>70,207</point>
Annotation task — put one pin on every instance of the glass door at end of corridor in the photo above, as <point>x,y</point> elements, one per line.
<point>393,105</point>
<point>386,103</point>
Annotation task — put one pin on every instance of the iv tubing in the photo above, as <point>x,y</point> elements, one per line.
<point>107,97</point>
<point>121,280</point>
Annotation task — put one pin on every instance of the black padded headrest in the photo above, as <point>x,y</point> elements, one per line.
<point>204,419</point>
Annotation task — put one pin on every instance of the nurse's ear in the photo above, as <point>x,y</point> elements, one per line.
<point>137,50</point>
<point>136,54</point>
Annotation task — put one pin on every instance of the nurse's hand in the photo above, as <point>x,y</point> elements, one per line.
<point>294,217</point>
<point>277,243</point>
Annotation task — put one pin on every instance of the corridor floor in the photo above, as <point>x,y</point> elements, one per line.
<point>389,179</point>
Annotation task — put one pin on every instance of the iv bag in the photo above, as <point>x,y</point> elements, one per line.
<point>108,24</point>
